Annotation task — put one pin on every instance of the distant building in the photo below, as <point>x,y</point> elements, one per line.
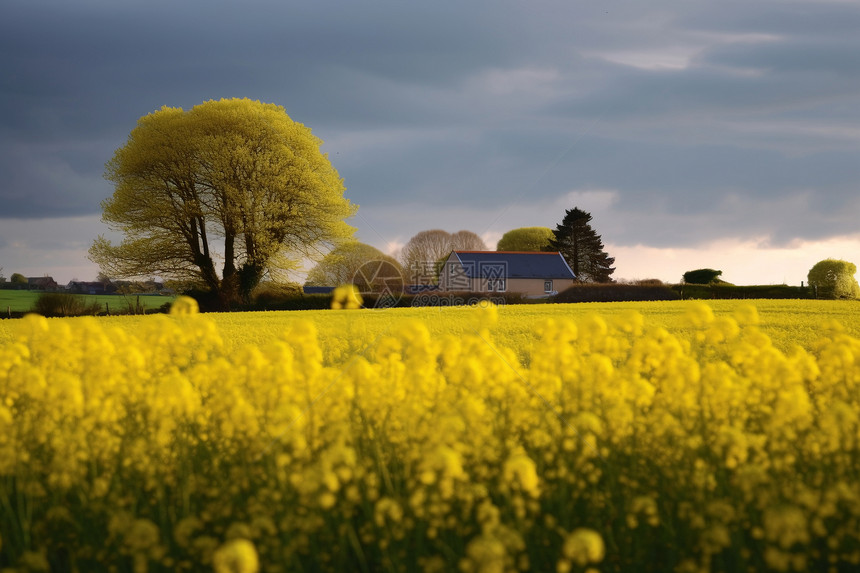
<point>86,287</point>
<point>42,283</point>
<point>526,273</point>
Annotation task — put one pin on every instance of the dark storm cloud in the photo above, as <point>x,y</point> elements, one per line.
<point>819,57</point>
<point>701,115</point>
<point>704,92</point>
<point>797,19</point>
<point>77,74</point>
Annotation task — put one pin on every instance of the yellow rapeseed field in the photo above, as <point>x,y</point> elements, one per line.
<point>616,437</point>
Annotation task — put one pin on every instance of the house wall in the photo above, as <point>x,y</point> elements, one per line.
<point>459,282</point>
<point>456,282</point>
<point>534,287</point>
<point>528,287</point>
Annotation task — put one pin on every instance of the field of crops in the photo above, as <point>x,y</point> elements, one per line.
<point>24,301</point>
<point>613,437</point>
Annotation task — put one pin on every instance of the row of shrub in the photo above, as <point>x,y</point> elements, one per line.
<point>292,298</point>
<point>730,291</point>
<point>617,292</point>
<point>60,304</point>
<point>269,300</point>
<point>656,290</point>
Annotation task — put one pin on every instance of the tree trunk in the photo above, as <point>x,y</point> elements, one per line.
<point>249,277</point>
<point>230,288</point>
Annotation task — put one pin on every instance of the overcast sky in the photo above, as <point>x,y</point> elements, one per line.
<point>698,134</point>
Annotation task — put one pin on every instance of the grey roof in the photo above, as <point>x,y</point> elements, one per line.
<point>514,265</point>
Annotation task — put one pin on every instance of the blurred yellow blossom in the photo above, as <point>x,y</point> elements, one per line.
<point>406,440</point>
<point>184,305</point>
<point>346,297</point>
<point>236,556</point>
<point>583,546</point>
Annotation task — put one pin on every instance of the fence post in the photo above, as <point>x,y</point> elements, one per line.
<point>107,308</point>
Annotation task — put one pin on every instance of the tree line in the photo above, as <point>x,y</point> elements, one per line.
<point>421,258</point>
<point>233,191</point>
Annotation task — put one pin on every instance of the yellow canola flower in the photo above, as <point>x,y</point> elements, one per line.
<point>699,315</point>
<point>172,435</point>
<point>184,306</point>
<point>346,297</point>
<point>236,556</point>
<point>583,546</point>
<point>484,554</point>
<point>142,535</point>
<point>786,525</point>
<point>646,507</point>
<point>520,469</point>
<point>746,314</point>
<point>387,510</point>
<point>486,314</point>
<point>441,462</point>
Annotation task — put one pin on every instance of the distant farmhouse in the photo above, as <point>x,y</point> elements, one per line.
<point>42,283</point>
<point>90,287</point>
<point>527,273</point>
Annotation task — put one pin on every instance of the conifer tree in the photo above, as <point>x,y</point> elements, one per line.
<point>582,247</point>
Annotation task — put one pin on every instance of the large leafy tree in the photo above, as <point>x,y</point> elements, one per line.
<point>234,183</point>
<point>357,263</point>
<point>834,278</point>
<point>466,241</point>
<point>526,239</point>
<point>423,255</point>
<point>582,247</point>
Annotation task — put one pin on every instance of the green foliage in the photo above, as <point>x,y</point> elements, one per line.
<point>649,282</point>
<point>274,293</point>
<point>615,292</point>
<point>526,239</point>
<point>356,263</point>
<point>582,248</point>
<point>702,276</point>
<point>18,279</point>
<point>235,170</point>
<point>19,302</point>
<point>723,290</point>
<point>63,304</point>
<point>833,278</point>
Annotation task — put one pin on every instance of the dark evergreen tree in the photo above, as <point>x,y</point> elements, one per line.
<point>582,247</point>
